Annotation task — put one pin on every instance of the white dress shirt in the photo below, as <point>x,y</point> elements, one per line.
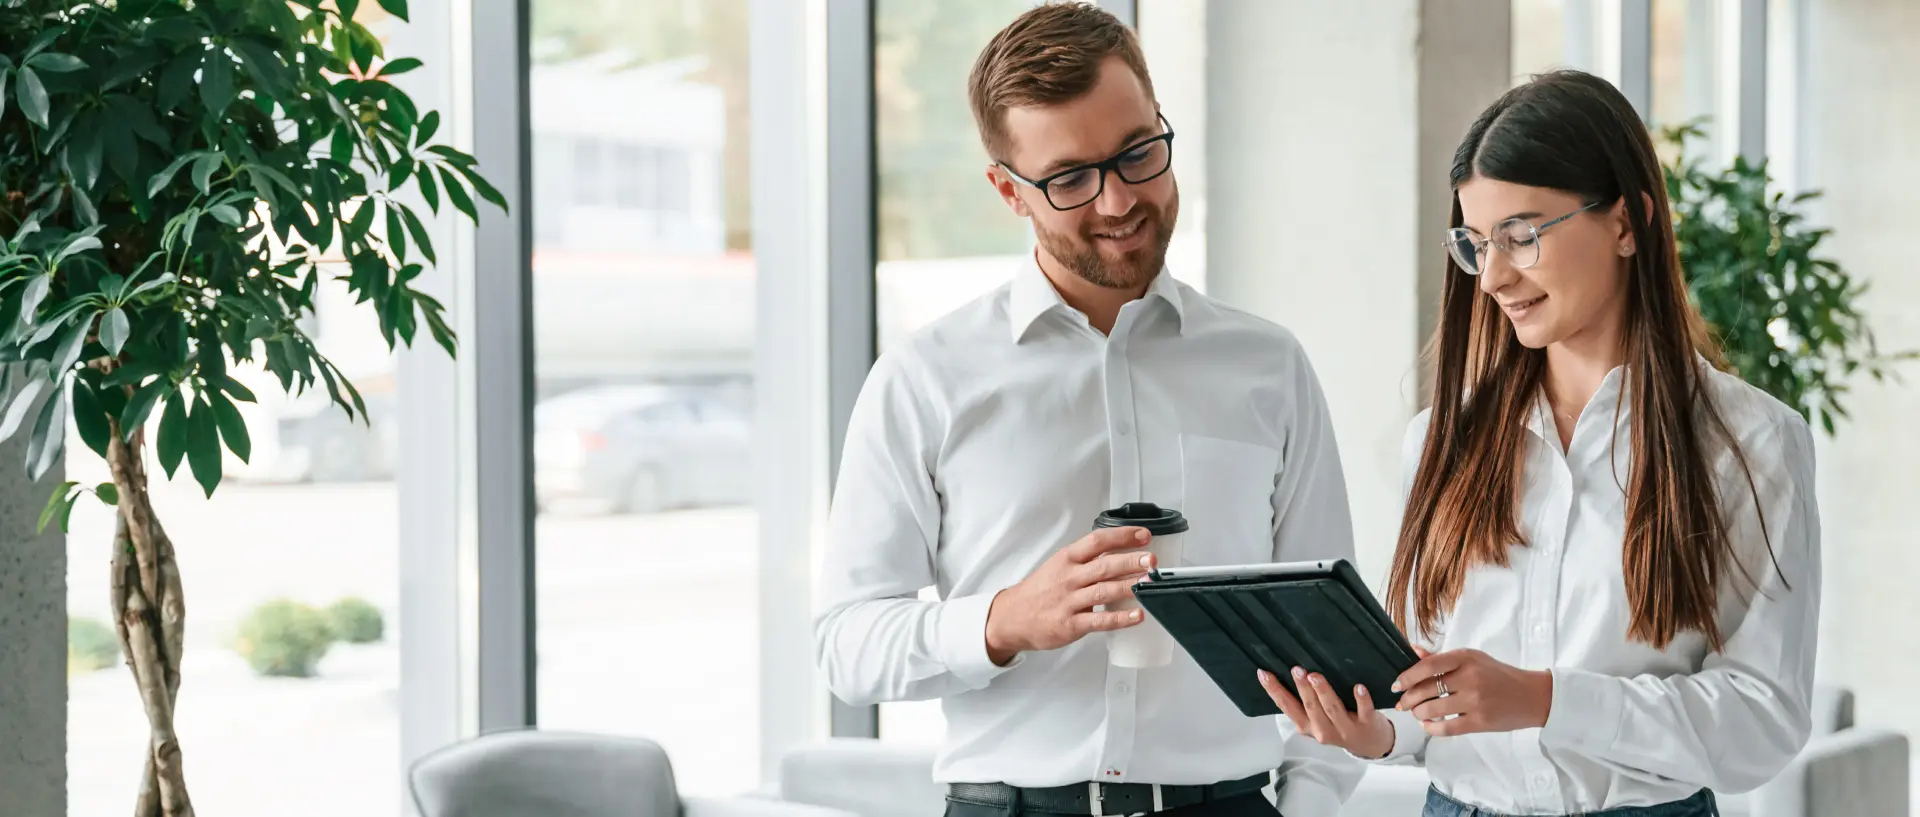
<point>991,440</point>
<point>1631,725</point>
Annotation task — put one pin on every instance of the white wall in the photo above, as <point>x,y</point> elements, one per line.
<point>1862,114</point>
<point>1330,127</point>
<point>33,642</point>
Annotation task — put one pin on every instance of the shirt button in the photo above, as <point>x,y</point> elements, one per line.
<point>1122,688</point>
<point>1540,630</point>
<point>1540,781</point>
<point>1124,428</point>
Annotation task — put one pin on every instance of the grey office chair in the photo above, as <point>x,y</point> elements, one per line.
<point>562,774</point>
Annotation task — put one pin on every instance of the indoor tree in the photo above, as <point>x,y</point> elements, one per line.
<point>1788,318</point>
<point>179,176</point>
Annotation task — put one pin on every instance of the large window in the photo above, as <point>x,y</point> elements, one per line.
<point>643,290</point>
<point>1693,61</point>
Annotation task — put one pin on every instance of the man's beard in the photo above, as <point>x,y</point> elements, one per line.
<point>1082,255</point>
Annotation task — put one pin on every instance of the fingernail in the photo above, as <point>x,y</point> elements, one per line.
<point>1318,681</point>
<point>1140,535</point>
<point>1135,615</point>
<point>1359,690</point>
<point>1299,673</point>
<point>1147,560</point>
<point>1265,676</point>
<point>1396,686</point>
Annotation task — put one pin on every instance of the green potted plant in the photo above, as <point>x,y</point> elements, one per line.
<point>1787,317</point>
<point>178,178</point>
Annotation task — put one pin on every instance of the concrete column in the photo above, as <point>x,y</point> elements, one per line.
<point>33,645</point>
<point>1860,116</point>
<point>1331,129</point>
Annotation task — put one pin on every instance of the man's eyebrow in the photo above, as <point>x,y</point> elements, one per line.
<point>1132,138</point>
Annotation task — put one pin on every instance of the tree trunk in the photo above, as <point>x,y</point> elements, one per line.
<point>151,619</point>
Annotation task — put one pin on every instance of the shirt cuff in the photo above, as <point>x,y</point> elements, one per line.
<point>1303,797</point>
<point>1586,711</point>
<point>1409,737</point>
<point>963,640</point>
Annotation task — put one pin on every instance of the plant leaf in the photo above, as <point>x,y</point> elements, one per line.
<point>177,79</point>
<point>238,390</point>
<point>22,403</point>
<point>56,63</point>
<point>458,195</point>
<point>172,445</point>
<point>429,125</point>
<point>89,418</point>
<point>57,505</point>
<point>203,168</point>
<point>216,80</point>
<point>233,427</point>
<point>71,344</point>
<point>486,189</point>
<point>36,291</point>
<point>113,330</point>
<point>108,493</point>
<point>79,245</point>
<point>160,180</point>
<point>140,405</point>
<point>225,214</point>
<point>49,437</point>
<point>428,190</point>
<point>399,66</point>
<point>419,230</point>
<point>32,97</point>
<point>396,234</point>
<point>203,446</point>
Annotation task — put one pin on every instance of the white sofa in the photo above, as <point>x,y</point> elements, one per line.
<point>1843,772</point>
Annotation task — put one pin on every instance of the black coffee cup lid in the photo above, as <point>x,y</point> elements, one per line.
<point>1157,520</point>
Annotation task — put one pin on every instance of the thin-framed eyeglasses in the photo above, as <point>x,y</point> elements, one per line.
<point>1516,238</point>
<point>1078,186</point>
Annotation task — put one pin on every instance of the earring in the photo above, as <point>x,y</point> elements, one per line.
<point>1626,249</point>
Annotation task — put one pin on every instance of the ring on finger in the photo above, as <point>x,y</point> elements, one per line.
<point>1441,683</point>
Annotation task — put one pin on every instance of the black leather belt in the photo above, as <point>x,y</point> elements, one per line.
<point>1103,798</point>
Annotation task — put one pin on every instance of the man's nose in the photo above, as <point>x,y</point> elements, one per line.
<point>1116,197</point>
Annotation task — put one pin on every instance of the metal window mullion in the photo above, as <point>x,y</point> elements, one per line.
<point>850,184</point>
<point>502,350</point>
<point>1636,55</point>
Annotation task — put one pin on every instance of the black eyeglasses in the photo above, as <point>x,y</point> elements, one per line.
<point>1516,238</point>
<point>1076,187</point>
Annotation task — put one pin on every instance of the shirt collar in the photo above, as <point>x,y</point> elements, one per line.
<point>1033,296</point>
<point>1610,394</point>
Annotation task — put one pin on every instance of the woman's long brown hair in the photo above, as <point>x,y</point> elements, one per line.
<point>1573,132</point>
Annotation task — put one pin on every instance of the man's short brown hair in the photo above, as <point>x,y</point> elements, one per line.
<point>1049,55</point>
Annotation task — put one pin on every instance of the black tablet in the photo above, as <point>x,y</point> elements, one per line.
<point>1235,620</point>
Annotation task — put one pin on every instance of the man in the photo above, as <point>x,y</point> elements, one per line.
<point>980,453</point>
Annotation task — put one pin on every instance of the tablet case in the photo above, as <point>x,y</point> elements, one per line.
<point>1326,621</point>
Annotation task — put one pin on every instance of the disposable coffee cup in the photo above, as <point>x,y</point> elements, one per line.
<point>1146,644</point>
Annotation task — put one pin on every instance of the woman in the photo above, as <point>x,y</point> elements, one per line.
<point>1611,547</point>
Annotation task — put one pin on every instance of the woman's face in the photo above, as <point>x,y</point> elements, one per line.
<point>1568,281</point>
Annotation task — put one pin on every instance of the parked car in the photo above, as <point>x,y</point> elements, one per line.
<point>644,448</point>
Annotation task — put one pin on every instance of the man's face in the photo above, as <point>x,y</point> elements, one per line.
<point>1119,240</point>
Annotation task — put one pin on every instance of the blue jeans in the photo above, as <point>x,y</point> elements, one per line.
<point>1700,804</point>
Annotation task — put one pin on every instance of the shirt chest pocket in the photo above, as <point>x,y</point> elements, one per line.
<point>1228,500</point>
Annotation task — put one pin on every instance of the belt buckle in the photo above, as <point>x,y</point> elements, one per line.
<point>1097,798</point>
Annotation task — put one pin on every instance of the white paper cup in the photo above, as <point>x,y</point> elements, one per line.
<point>1146,644</point>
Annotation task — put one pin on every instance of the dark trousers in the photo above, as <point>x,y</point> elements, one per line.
<point>1253,804</point>
<point>1700,804</point>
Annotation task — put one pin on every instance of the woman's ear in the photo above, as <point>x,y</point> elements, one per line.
<point>1623,225</point>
